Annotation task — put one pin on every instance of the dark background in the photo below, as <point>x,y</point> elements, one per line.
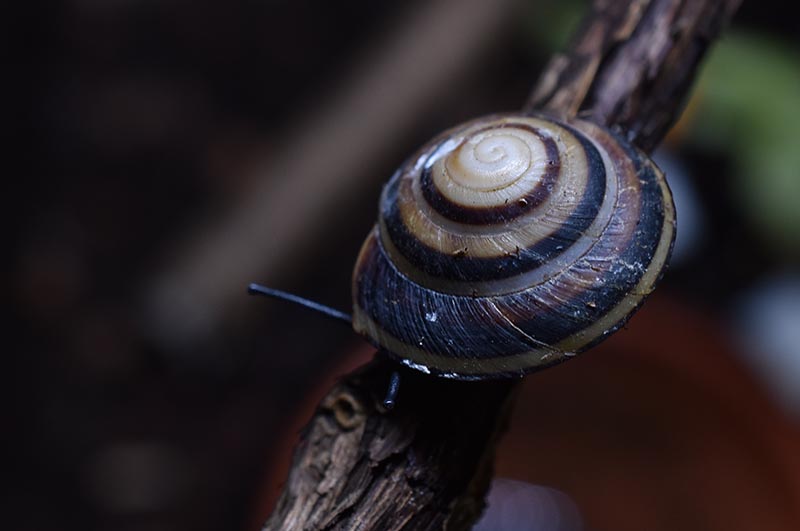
<point>174,151</point>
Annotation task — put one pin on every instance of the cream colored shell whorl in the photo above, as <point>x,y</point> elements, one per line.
<point>510,243</point>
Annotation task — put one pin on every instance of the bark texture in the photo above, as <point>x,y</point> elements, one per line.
<point>631,64</point>
<point>427,463</point>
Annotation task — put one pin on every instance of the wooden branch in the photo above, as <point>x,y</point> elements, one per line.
<point>427,463</point>
<point>631,64</point>
<point>424,465</point>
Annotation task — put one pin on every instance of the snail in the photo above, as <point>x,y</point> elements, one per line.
<point>508,244</point>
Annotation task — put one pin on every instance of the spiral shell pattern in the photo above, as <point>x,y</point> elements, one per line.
<point>510,243</point>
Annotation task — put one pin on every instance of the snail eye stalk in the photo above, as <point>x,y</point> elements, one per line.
<point>258,289</point>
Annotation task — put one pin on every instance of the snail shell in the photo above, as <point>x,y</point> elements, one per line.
<point>510,243</point>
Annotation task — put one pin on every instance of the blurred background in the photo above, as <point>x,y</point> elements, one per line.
<point>178,150</point>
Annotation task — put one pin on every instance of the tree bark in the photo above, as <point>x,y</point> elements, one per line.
<point>427,463</point>
<point>631,64</point>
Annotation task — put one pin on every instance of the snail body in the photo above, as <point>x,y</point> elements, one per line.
<point>510,243</point>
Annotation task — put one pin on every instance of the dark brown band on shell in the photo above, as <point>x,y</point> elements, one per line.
<point>448,268</point>
<point>499,214</point>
